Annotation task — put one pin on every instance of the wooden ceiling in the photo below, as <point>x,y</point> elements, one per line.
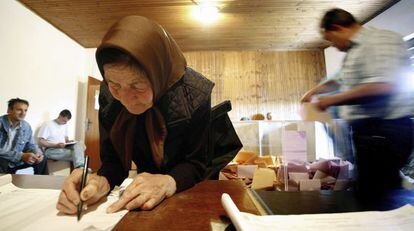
<point>244,24</point>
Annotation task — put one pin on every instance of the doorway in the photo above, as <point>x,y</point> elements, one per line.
<point>92,124</point>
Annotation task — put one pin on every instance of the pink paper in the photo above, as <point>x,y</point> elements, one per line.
<point>246,171</point>
<point>321,165</point>
<point>294,145</point>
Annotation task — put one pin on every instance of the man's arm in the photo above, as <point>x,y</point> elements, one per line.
<point>16,157</point>
<point>324,87</point>
<point>355,95</point>
<point>44,133</point>
<point>11,155</point>
<point>30,145</point>
<point>29,154</point>
<point>44,143</point>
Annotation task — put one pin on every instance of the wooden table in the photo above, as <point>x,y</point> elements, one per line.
<point>193,209</point>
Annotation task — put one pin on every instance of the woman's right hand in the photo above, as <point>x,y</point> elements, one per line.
<point>96,187</point>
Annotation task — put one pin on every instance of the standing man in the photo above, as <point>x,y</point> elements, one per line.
<point>372,98</point>
<point>17,147</point>
<point>53,137</point>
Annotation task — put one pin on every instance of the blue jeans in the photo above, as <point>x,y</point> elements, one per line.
<point>74,153</point>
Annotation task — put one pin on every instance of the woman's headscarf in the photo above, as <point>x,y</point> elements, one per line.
<point>164,63</point>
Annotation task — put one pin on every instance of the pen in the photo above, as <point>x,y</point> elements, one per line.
<point>121,192</point>
<point>83,182</point>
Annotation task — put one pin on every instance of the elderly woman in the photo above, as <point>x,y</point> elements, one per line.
<point>154,110</point>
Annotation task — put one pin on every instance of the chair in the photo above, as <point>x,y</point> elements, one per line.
<point>224,143</point>
<point>59,167</point>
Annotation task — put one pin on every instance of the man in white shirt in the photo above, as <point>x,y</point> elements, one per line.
<point>53,138</point>
<point>373,98</point>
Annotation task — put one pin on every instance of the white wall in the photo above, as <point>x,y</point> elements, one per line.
<point>333,60</point>
<point>398,18</point>
<point>42,65</point>
<point>91,66</point>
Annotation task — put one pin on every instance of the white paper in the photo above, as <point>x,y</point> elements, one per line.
<point>6,179</point>
<point>232,211</point>
<point>401,219</point>
<point>35,209</point>
<point>310,185</point>
<point>319,175</point>
<point>70,143</point>
<point>297,176</point>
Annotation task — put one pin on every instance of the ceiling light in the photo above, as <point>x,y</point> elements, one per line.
<point>206,12</point>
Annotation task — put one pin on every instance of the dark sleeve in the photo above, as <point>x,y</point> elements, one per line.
<point>195,148</point>
<point>111,165</point>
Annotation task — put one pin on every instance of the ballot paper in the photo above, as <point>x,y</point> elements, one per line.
<point>294,145</point>
<point>246,170</point>
<point>401,219</point>
<point>309,112</point>
<point>35,209</point>
<point>71,142</point>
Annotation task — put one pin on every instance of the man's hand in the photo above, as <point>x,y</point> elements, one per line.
<point>39,157</point>
<point>306,98</point>
<point>327,86</point>
<point>29,158</point>
<point>60,145</point>
<point>96,187</point>
<point>323,102</point>
<point>145,192</point>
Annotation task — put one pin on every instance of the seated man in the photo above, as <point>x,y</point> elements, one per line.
<point>17,147</point>
<point>53,137</point>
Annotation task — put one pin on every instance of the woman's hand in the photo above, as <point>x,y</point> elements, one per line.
<point>145,192</point>
<point>96,187</point>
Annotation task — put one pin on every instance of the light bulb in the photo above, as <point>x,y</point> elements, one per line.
<point>206,13</point>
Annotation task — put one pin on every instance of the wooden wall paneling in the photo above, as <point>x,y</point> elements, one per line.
<point>260,81</point>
